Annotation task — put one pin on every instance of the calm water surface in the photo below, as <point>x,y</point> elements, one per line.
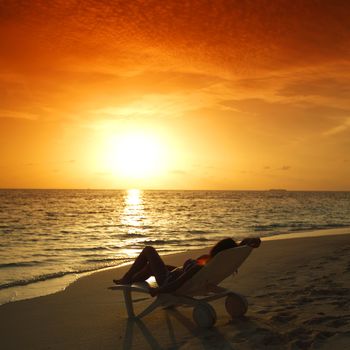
<point>45,234</point>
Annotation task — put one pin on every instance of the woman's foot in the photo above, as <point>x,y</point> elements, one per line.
<point>254,242</point>
<point>122,281</point>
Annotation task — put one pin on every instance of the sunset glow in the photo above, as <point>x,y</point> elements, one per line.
<point>136,155</point>
<point>126,94</point>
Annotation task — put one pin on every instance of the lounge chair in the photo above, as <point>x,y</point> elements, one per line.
<point>199,290</point>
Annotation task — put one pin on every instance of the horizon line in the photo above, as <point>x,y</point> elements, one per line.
<point>173,189</point>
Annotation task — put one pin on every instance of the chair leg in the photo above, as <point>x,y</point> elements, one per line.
<point>128,303</point>
<point>150,308</point>
<point>165,299</point>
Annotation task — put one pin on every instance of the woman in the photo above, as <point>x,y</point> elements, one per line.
<point>169,278</point>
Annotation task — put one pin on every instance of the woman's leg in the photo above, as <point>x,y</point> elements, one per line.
<point>146,273</point>
<point>148,263</point>
<point>142,275</point>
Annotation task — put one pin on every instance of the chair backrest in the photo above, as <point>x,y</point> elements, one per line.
<point>216,270</point>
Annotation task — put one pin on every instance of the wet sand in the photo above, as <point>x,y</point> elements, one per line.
<point>298,291</point>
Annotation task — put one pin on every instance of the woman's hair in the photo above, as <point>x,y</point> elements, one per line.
<point>226,243</point>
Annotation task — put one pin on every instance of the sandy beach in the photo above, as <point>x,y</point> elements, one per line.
<point>298,292</point>
<point>176,125</point>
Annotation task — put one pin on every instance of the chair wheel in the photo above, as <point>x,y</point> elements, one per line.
<point>236,305</point>
<point>204,315</point>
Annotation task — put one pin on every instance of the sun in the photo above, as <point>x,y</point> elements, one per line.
<point>136,155</point>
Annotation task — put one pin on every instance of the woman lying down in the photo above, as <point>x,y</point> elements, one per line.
<point>170,278</point>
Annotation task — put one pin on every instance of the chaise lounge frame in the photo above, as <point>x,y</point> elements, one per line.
<point>202,288</point>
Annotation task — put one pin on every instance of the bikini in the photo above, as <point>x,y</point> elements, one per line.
<point>178,271</point>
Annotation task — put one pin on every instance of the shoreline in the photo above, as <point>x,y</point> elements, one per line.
<point>297,290</point>
<point>59,284</point>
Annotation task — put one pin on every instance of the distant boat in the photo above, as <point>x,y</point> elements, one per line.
<point>277,190</point>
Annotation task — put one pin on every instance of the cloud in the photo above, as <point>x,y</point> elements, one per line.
<point>290,116</point>
<point>284,168</point>
<point>73,94</point>
<point>326,87</point>
<point>17,114</point>
<point>224,35</point>
<point>100,55</point>
<point>257,82</point>
<point>342,127</point>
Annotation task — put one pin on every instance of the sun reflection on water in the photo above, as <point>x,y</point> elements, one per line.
<point>133,212</point>
<point>133,217</point>
<point>133,197</point>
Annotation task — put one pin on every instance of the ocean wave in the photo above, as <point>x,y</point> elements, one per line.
<point>104,260</point>
<point>40,278</point>
<point>88,249</point>
<point>90,227</point>
<point>105,226</point>
<point>198,232</point>
<point>294,227</point>
<point>160,241</point>
<point>130,235</point>
<point>75,213</point>
<point>269,227</point>
<point>50,276</point>
<point>319,227</point>
<point>78,249</point>
<point>200,239</point>
<point>20,264</point>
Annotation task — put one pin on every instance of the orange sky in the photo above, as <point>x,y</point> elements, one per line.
<point>237,94</point>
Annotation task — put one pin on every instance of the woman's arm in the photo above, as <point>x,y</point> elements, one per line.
<point>172,286</point>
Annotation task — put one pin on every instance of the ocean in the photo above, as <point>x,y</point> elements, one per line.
<point>48,238</point>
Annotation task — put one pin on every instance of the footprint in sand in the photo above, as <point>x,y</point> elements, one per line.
<point>287,278</point>
<point>283,317</point>
<point>264,295</point>
<point>342,304</point>
<point>321,337</point>
<point>299,332</point>
<point>301,266</point>
<point>329,320</point>
<point>333,258</point>
<point>290,273</point>
<point>263,311</point>
<point>339,322</point>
